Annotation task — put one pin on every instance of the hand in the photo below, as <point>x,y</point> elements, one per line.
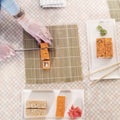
<point>37,30</point>
<point>5,52</point>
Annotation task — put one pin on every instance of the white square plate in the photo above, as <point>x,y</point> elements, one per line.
<point>73,97</point>
<point>97,63</point>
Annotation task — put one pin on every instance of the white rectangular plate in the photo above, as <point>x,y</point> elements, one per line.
<point>73,97</point>
<point>97,63</point>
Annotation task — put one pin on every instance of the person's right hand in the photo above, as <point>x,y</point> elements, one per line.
<point>6,51</point>
<point>36,29</point>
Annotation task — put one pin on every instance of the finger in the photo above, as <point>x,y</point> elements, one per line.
<point>48,35</point>
<point>11,51</point>
<point>47,40</point>
<point>45,36</point>
<point>38,39</point>
<point>46,32</point>
<point>42,37</point>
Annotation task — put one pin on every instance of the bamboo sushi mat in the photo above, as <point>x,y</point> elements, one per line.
<point>64,57</point>
<point>114,9</point>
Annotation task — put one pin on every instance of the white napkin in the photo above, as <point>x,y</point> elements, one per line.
<point>52,3</point>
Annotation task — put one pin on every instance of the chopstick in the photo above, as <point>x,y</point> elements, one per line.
<point>31,49</point>
<point>101,69</point>
<point>28,49</point>
<point>106,74</point>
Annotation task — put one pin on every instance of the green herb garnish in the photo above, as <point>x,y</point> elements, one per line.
<point>102,31</point>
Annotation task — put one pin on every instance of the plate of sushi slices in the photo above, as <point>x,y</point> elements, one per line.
<point>101,36</point>
<point>53,104</point>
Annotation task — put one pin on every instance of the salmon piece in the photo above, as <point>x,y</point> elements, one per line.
<point>109,47</point>
<point>60,106</point>
<point>104,48</point>
<point>43,45</point>
<point>44,54</point>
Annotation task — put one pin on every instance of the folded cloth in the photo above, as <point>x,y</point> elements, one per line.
<point>52,3</point>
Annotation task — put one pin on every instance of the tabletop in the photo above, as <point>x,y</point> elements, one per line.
<point>102,100</point>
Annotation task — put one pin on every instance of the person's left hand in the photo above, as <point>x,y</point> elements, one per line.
<point>36,29</point>
<point>6,51</point>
